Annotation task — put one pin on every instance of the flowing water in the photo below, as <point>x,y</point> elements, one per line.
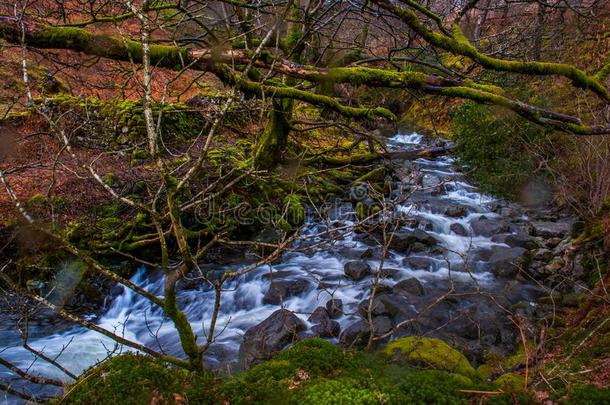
<point>242,304</point>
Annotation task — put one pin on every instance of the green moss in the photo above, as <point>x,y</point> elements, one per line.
<point>295,211</point>
<point>341,391</point>
<point>434,387</point>
<point>268,382</point>
<point>511,381</point>
<point>430,352</point>
<point>585,395</point>
<point>135,379</point>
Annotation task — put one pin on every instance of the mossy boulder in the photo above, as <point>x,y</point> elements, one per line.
<point>430,352</point>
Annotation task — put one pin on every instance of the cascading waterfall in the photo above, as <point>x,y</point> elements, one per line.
<point>242,303</point>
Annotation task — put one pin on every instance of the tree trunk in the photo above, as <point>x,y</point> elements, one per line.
<point>272,142</point>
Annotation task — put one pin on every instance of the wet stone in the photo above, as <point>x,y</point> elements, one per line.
<point>458,229</point>
<point>456,211</point>
<point>418,262</point>
<point>318,315</point>
<point>357,270</point>
<point>547,229</point>
<point>327,329</point>
<point>264,340</point>
<point>484,226</point>
<point>410,286</point>
<point>281,290</point>
<point>382,325</point>
<point>334,307</point>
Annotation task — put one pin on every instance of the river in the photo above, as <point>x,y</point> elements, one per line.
<point>442,199</point>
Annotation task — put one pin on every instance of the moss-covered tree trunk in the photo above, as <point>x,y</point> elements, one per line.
<point>271,144</point>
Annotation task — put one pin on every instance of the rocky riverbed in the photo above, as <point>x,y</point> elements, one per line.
<point>460,265</point>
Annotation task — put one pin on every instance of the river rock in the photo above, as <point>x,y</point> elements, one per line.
<point>456,211</point>
<point>507,261</point>
<point>318,315</point>
<point>516,240</point>
<point>410,286</point>
<point>327,329</point>
<point>357,269</point>
<point>547,229</point>
<point>418,262</point>
<point>458,229</point>
<point>484,226</point>
<point>378,307</point>
<point>396,306</point>
<point>390,273</point>
<point>403,241</point>
<point>356,334</point>
<point>382,325</point>
<point>280,290</point>
<point>264,340</point>
<point>334,307</point>
<point>543,255</point>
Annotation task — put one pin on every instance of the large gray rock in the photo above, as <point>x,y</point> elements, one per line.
<point>264,340</point>
<point>507,261</point>
<point>334,307</point>
<point>327,329</point>
<point>516,240</point>
<point>456,211</point>
<point>410,286</point>
<point>418,262</point>
<point>484,226</point>
<point>357,270</point>
<point>280,290</point>
<point>357,334</point>
<point>382,325</point>
<point>547,229</point>
<point>402,241</point>
<point>458,229</point>
<point>318,315</point>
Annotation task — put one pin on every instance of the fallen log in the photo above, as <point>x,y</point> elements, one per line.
<point>366,158</point>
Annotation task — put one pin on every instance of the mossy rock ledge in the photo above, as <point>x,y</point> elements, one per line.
<point>430,352</point>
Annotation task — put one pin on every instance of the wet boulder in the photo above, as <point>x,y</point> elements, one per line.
<point>456,211</point>
<point>357,334</point>
<point>281,290</point>
<point>264,340</point>
<point>410,286</point>
<point>458,229</point>
<point>318,315</point>
<point>518,239</point>
<point>378,307</point>
<point>334,307</point>
<point>357,269</point>
<point>382,325</point>
<point>484,226</point>
<point>547,229</point>
<point>403,241</point>
<point>507,261</point>
<point>327,329</point>
<point>418,262</point>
